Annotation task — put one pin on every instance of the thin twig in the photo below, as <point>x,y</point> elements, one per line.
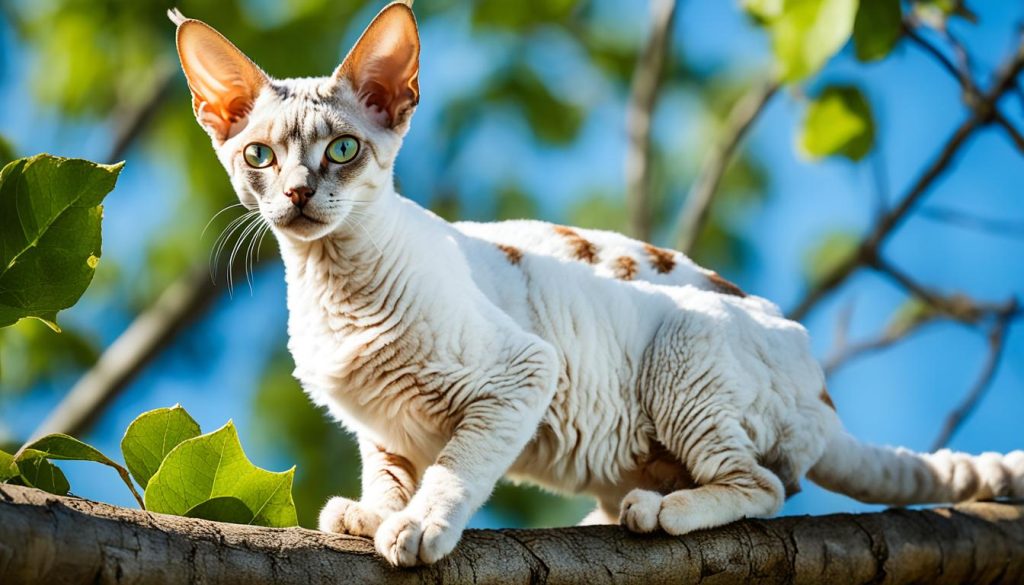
<point>850,352</point>
<point>996,344</point>
<point>1010,129</point>
<point>981,114</point>
<point>963,219</point>
<point>695,209</point>
<point>639,114</point>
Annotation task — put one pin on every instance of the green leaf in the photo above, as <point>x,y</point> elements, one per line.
<point>36,471</point>
<point>6,152</point>
<point>521,14</point>
<point>151,436</point>
<point>8,468</point>
<point>935,13</point>
<point>60,446</point>
<point>807,33</point>
<point>222,509</point>
<point>212,466</point>
<point>50,216</point>
<point>835,249</point>
<point>910,314</point>
<point>837,122</point>
<point>878,26</point>
<point>763,11</point>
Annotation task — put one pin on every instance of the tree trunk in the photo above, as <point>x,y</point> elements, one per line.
<point>56,540</point>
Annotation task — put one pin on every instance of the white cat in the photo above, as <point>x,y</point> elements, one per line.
<point>579,360</point>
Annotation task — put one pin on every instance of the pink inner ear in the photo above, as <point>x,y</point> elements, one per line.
<point>390,84</point>
<point>383,67</point>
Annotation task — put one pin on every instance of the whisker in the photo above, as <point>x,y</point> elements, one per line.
<point>250,228</point>
<point>215,216</point>
<point>249,251</point>
<point>222,240</point>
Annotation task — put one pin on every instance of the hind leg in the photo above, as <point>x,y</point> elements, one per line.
<point>732,485</point>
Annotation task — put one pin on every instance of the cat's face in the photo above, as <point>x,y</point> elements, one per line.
<point>308,153</point>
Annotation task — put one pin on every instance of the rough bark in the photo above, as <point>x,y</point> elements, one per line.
<point>57,540</point>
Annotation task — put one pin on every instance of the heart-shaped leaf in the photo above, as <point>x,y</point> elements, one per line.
<point>222,509</point>
<point>60,446</point>
<point>8,468</point>
<point>50,217</point>
<point>213,466</point>
<point>151,436</point>
<point>806,33</point>
<point>36,471</point>
<point>878,26</point>
<point>838,122</point>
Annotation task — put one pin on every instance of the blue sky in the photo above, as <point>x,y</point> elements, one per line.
<point>898,397</point>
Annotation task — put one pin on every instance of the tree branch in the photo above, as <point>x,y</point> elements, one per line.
<point>996,344</point>
<point>982,113</point>
<point>639,114</point>
<point>695,209</point>
<point>60,540</point>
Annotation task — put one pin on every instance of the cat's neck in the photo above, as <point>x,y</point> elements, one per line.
<point>348,272</point>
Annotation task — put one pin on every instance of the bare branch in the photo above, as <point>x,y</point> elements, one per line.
<point>891,336</point>
<point>51,539</point>
<point>132,122</point>
<point>695,209</point>
<point>639,116</point>
<point>1010,129</point>
<point>996,344</point>
<point>981,114</point>
<point>963,219</point>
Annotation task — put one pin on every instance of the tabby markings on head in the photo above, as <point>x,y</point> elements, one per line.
<point>625,268</point>
<point>582,249</point>
<point>724,286</point>
<point>513,254</point>
<point>663,261</point>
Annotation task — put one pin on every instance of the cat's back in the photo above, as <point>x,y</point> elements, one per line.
<point>608,253</point>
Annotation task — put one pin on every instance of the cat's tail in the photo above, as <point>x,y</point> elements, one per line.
<point>897,476</point>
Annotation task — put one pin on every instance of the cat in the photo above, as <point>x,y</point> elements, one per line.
<point>579,360</point>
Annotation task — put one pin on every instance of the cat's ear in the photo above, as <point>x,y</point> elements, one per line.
<point>224,82</point>
<point>384,65</point>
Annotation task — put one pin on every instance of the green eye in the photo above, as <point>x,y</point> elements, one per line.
<point>343,149</point>
<point>258,155</point>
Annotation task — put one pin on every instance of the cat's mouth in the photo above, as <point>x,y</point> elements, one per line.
<point>301,218</point>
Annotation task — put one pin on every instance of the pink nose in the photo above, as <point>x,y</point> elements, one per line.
<point>299,195</point>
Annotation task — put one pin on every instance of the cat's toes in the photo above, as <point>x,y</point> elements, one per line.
<point>639,512</point>
<point>344,516</point>
<point>405,541</point>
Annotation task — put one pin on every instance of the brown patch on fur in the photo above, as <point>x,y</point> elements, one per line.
<point>582,249</point>
<point>624,268</point>
<point>724,286</point>
<point>661,471</point>
<point>777,463</point>
<point>826,399</point>
<point>662,260</point>
<point>514,255</point>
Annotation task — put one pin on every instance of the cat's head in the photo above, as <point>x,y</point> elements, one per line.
<point>306,152</point>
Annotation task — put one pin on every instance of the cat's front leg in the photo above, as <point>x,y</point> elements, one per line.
<point>388,482</point>
<point>492,430</point>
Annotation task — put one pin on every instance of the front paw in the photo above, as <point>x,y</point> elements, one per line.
<point>405,540</point>
<point>344,516</point>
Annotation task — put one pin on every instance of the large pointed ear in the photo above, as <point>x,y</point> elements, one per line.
<point>223,81</point>
<point>384,66</point>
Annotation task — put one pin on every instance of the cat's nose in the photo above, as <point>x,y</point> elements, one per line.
<point>300,195</point>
